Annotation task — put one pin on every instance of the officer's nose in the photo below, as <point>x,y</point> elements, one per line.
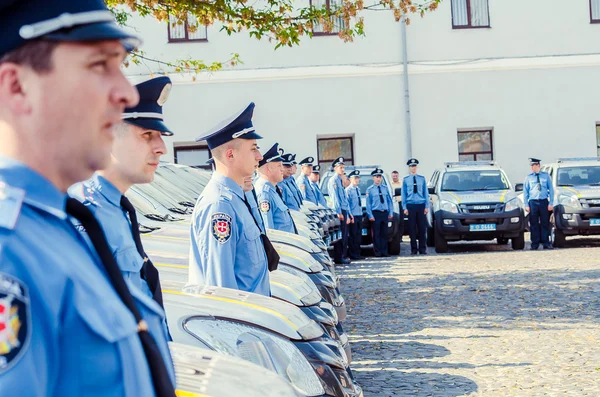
<point>123,93</point>
<point>159,146</point>
<point>259,155</point>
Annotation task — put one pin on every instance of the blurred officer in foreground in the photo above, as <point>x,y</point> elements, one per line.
<point>315,177</point>
<point>136,153</point>
<point>380,210</point>
<point>415,202</point>
<point>226,245</point>
<point>538,195</point>
<point>303,180</point>
<point>340,206</point>
<point>355,203</point>
<point>74,328</point>
<point>275,213</point>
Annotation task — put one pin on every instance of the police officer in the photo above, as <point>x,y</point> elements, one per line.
<point>538,194</point>
<point>58,103</point>
<point>379,210</point>
<point>275,213</point>
<point>290,198</point>
<point>315,177</point>
<point>136,153</point>
<point>355,203</point>
<point>415,203</point>
<point>303,181</point>
<point>226,245</point>
<point>292,167</point>
<point>340,205</point>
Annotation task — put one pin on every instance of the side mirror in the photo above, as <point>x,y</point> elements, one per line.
<point>398,191</point>
<point>519,187</point>
<point>431,190</point>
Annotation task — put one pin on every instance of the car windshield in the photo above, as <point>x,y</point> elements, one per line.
<point>366,180</point>
<point>581,175</point>
<point>462,181</point>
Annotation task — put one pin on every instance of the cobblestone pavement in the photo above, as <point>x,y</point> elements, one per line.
<point>482,320</point>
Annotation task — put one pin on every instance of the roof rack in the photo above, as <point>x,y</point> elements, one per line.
<point>469,163</point>
<point>564,159</point>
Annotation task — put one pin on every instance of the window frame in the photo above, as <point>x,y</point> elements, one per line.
<point>469,18</point>
<point>597,130</point>
<point>188,147</point>
<point>468,131</point>
<point>348,161</point>
<point>592,20</point>
<point>186,39</point>
<point>332,33</point>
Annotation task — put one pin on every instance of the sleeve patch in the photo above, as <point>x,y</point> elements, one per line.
<point>15,321</point>
<point>221,227</point>
<point>265,206</point>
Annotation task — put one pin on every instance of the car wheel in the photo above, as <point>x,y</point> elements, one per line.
<point>557,237</point>
<point>441,245</point>
<point>502,240</point>
<point>394,245</point>
<point>430,237</point>
<point>518,243</point>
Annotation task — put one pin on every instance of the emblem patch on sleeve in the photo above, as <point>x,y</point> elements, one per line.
<point>265,206</point>
<point>14,320</point>
<point>221,227</point>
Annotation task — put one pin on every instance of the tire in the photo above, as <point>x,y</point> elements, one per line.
<point>557,237</point>
<point>518,243</point>
<point>394,245</point>
<point>430,237</point>
<point>502,241</point>
<point>441,245</point>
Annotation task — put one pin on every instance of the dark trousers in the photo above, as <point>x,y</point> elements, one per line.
<point>380,232</point>
<point>539,222</point>
<point>354,237</point>
<point>341,247</point>
<point>417,222</point>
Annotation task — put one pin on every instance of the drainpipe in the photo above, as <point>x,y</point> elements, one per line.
<point>408,141</point>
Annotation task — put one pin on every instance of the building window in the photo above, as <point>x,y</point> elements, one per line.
<point>330,149</point>
<point>186,31</point>
<point>468,14</point>
<point>595,11</point>
<point>338,23</point>
<point>475,145</point>
<point>598,139</point>
<point>192,154</point>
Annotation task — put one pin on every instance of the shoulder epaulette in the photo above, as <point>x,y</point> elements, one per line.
<point>11,201</point>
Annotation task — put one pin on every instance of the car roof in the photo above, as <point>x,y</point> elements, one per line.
<point>472,168</point>
<point>576,162</point>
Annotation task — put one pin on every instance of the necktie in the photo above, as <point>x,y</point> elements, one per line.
<point>279,192</point>
<point>160,376</point>
<point>538,180</point>
<point>272,255</point>
<point>148,272</point>
<point>380,194</point>
<point>414,184</point>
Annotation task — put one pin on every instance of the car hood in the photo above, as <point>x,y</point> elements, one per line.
<point>293,289</point>
<point>297,258</point>
<point>583,191</point>
<point>293,239</point>
<point>488,196</point>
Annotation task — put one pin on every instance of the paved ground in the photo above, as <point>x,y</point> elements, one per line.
<point>481,321</point>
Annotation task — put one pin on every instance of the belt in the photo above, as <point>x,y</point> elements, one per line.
<point>538,199</point>
<point>379,211</point>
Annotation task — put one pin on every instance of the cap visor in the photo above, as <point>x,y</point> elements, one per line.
<point>150,124</point>
<point>97,32</point>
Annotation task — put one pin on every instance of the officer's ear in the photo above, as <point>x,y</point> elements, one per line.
<point>13,94</point>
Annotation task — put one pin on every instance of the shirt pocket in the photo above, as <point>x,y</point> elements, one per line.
<point>253,245</point>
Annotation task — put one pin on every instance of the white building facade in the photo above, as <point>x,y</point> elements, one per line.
<point>487,79</point>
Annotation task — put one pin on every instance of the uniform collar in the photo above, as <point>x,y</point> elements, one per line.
<point>39,191</point>
<point>107,189</point>
<point>228,183</point>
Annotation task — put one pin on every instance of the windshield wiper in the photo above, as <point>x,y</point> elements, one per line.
<point>451,190</point>
<point>595,184</point>
<point>483,188</point>
<point>565,185</point>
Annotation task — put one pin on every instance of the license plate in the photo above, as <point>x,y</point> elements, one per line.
<point>365,232</point>
<point>482,227</point>
<point>595,222</point>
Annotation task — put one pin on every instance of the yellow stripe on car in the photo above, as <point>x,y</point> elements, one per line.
<point>574,191</point>
<point>183,393</point>
<point>455,196</point>
<point>170,265</point>
<point>288,288</point>
<point>503,196</point>
<point>250,305</point>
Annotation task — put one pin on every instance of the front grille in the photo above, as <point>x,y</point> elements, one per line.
<point>590,203</point>
<point>481,208</point>
<point>467,222</point>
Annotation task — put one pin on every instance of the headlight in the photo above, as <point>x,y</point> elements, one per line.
<point>260,347</point>
<point>512,205</point>
<point>568,201</point>
<point>448,206</point>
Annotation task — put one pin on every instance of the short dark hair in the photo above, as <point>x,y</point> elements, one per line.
<point>395,172</point>
<point>37,54</point>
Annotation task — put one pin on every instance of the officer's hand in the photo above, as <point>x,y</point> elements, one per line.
<point>348,221</point>
<point>550,208</point>
<point>390,217</point>
<point>372,219</point>
<point>426,211</point>
<point>405,212</point>
<point>527,209</point>
<point>341,217</point>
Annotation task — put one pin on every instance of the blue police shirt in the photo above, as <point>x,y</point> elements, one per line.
<point>306,189</point>
<point>226,248</point>
<point>319,194</point>
<point>373,196</point>
<point>275,213</point>
<point>409,196</point>
<point>291,182</point>
<point>69,333</point>
<point>288,196</point>
<point>538,190</point>
<point>354,200</point>
<point>103,199</point>
<point>254,209</point>
<point>338,194</point>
